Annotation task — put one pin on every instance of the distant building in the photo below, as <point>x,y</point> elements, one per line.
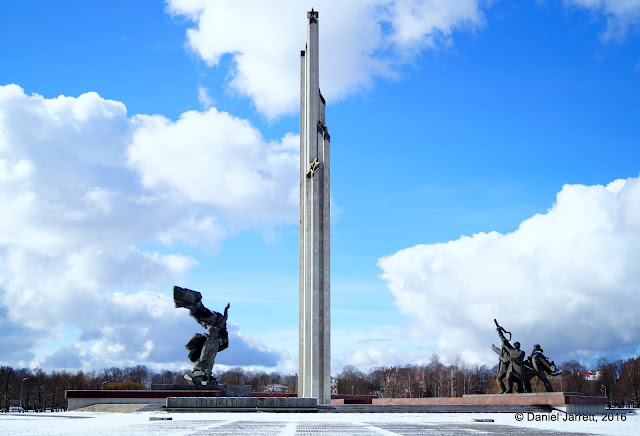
<point>334,386</point>
<point>591,374</point>
<point>276,388</point>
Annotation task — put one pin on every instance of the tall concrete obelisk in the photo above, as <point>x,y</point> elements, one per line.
<point>314,372</point>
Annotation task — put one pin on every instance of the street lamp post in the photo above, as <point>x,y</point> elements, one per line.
<point>102,385</point>
<point>21,386</point>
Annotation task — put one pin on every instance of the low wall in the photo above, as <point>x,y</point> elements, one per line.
<point>225,390</point>
<point>569,402</point>
<point>242,404</point>
<point>83,398</point>
<point>77,403</point>
<point>198,400</point>
<point>352,399</point>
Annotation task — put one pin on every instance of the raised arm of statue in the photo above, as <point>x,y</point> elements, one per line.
<point>495,349</point>
<point>226,311</point>
<point>505,342</point>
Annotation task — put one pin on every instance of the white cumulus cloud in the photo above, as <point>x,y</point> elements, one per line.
<point>204,98</point>
<point>217,159</point>
<point>621,15</point>
<point>566,279</point>
<point>78,219</point>
<point>359,40</point>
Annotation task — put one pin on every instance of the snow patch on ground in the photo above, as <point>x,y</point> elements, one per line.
<point>136,423</point>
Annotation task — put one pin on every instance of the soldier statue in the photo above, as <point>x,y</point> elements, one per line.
<point>503,366</point>
<point>517,372</point>
<point>516,369</point>
<point>203,348</point>
<point>542,366</point>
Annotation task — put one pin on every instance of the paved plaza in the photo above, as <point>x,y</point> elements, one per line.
<point>293,424</point>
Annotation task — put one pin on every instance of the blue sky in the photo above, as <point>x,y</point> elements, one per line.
<point>484,165</point>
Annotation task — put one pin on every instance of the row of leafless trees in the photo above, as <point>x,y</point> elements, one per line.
<point>435,379</point>
<point>43,391</point>
<point>618,380</point>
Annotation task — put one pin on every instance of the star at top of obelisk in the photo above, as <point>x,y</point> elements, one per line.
<point>312,16</point>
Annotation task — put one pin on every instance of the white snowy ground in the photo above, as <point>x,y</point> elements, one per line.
<point>290,424</point>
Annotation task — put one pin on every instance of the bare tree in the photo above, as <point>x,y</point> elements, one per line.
<point>234,376</point>
<point>59,382</point>
<point>7,381</point>
<point>352,381</point>
<point>573,377</point>
<point>630,382</point>
<point>137,374</point>
<point>291,382</point>
<point>165,377</point>
<point>38,384</point>
<point>258,380</point>
<point>376,380</point>
<point>436,376</point>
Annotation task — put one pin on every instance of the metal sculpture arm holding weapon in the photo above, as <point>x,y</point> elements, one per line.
<point>504,351</point>
<point>501,330</point>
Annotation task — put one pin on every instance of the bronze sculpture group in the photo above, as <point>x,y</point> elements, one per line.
<point>517,369</point>
<point>203,347</point>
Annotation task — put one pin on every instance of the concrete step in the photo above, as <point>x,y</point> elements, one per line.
<point>454,408</point>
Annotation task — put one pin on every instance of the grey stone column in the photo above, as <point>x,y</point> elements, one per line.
<point>314,373</point>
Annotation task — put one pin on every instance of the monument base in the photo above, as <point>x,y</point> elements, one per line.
<point>82,398</point>
<point>206,400</point>
<point>176,387</point>
<point>574,403</point>
<point>241,404</point>
<point>568,402</point>
<point>225,390</point>
<point>238,394</point>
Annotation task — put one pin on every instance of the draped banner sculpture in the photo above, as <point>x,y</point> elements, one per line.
<point>519,370</point>
<point>203,347</point>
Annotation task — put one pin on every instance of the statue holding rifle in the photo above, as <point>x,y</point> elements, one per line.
<point>503,364</point>
<point>516,369</point>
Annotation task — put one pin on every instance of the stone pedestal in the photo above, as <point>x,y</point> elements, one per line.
<point>185,387</point>
<point>241,404</point>
<point>225,390</point>
<point>568,402</point>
